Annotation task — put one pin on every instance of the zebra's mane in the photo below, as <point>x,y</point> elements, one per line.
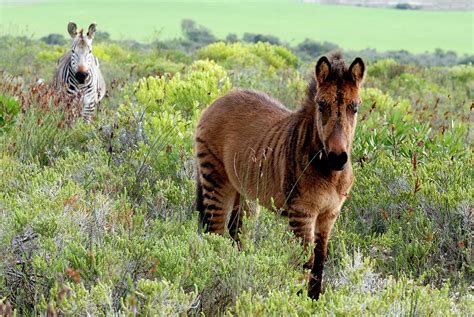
<point>81,41</point>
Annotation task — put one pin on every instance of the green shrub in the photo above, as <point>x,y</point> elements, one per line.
<point>9,109</point>
<point>265,38</point>
<point>119,63</point>
<point>42,132</point>
<point>50,56</point>
<point>203,82</point>
<point>311,49</point>
<point>249,55</point>
<point>174,105</point>
<point>196,33</point>
<point>260,66</point>
<point>54,39</point>
<point>394,126</point>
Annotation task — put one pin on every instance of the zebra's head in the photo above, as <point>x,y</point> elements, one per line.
<point>81,51</point>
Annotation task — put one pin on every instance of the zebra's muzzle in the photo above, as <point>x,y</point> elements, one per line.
<point>81,77</point>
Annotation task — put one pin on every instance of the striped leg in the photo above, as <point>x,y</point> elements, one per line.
<point>88,111</point>
<point>215,194</point>
<point>302,225</point>
<point>236,216</point>
<point>324,224</point>
<point>217,203</point>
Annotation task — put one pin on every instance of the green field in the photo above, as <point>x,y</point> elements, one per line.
<point>292,21</point>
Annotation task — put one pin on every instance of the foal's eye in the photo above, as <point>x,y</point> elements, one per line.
<point>354,107</point>
<point>322,106</point>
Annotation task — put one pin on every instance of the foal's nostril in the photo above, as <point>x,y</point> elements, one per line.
<point>337,161</point>
<point>342,158</point>
<point>332,156</point>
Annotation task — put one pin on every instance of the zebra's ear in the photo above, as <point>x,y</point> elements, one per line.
<point>72,29</point>
<point>91,32</point>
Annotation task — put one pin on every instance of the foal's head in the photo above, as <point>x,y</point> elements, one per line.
<point>81,50</point>
<point>337,101</point>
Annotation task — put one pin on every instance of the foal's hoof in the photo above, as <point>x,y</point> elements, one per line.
<point>314,289</point>
<point>238,244</point>
<point>311,293</point>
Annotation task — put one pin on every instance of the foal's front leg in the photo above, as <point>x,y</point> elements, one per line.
<point>302,223</point>
<point>324,224</point>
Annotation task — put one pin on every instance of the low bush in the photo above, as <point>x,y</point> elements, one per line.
<point>54,39</point>
<point>253,55</point>
<point>9,109</point>
<point>265,38</point>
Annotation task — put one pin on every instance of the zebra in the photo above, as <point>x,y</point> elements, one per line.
<point>77,72</point>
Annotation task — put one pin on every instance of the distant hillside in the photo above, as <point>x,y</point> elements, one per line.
<point>292,21</point>
<point>405,4</point>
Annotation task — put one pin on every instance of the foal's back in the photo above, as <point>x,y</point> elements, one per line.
<point>241,115</point>
<point>237,129</point>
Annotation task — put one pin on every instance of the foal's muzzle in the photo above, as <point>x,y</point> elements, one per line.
<point>337,162</point>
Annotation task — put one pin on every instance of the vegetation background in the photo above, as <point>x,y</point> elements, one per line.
<point>99,218</point>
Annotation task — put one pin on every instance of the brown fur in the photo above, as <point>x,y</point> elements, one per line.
<point>250,147</point>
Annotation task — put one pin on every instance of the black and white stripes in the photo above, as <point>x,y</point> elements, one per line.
<point>78,71</point>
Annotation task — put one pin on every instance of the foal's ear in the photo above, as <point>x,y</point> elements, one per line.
<point>322,70</point>
<point>357,70</point>
<point>72,29</point>
<point>91,31</point>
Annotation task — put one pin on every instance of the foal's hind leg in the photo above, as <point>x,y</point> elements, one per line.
<point>215,194</point>
<point>236,216</point>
